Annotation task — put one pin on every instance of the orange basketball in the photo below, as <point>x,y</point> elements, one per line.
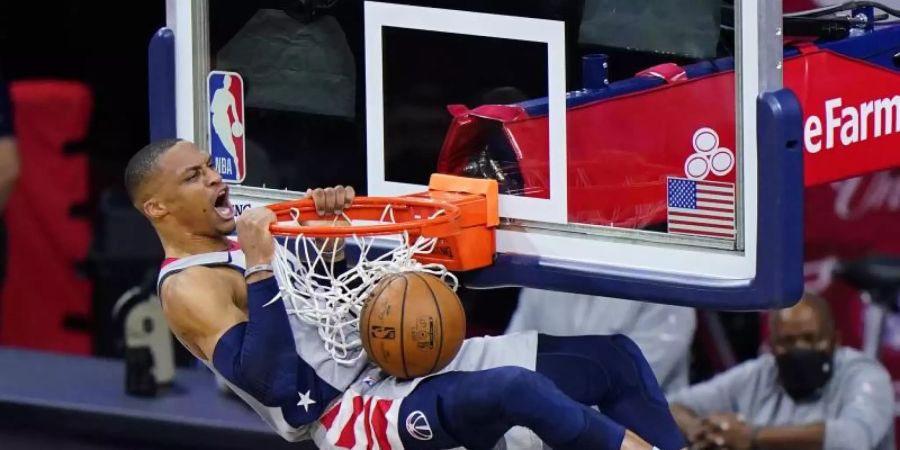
<point>412,324</point>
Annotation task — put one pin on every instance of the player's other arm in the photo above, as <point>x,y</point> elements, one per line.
<point>331,201</point>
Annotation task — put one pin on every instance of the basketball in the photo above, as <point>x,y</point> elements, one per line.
<point>237,130</point>
<point>412,324</point>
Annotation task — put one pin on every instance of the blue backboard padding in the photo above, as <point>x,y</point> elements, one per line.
<point>779,267</point>
<point>161,84</point>
<point>877,47</point>
<point>76,395</point>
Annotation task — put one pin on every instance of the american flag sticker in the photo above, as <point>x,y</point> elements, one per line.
<point>700,208</point>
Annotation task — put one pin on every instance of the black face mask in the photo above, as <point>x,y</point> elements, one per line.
<point>803,373</point>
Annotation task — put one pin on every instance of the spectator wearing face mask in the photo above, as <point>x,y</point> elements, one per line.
<point>809,393</point>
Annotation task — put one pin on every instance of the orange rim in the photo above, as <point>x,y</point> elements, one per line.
<point>412,214</point>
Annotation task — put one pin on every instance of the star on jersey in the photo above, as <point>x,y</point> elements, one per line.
<point>305,401</point>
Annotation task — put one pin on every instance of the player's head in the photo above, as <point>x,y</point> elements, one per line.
<point>803,340</point>
<point>226,81</point>
<point>174,185</point>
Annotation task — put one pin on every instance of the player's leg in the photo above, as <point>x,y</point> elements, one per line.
<point>475,409</point>
<point>610,372</point>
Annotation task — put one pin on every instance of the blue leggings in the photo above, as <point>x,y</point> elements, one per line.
<point>475,409</point>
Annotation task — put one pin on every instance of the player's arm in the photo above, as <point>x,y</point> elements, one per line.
<point>256,353</point>
<point>328,201</point>
<point>200,308</point>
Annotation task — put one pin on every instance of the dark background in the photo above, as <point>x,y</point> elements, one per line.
<point>103,44</point>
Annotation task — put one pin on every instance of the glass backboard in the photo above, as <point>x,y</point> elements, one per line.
<point>629,138</point>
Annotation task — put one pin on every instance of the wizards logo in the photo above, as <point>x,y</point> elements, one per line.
<point>226,124</point>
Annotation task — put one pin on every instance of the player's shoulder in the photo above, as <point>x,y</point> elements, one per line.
<point>195,282</point>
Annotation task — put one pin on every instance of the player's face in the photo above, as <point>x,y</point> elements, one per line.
<point>192,192</point>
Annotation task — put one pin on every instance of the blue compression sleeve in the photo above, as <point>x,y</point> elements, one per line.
<point>475,409</point>
<point>259,355</point>
<point>611,372</point>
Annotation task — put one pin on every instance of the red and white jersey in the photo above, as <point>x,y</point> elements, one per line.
<point>233,258</point>
<point>367,416</point>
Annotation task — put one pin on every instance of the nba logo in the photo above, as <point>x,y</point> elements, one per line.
<point>226,124</point>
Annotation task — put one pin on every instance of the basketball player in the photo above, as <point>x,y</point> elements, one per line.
<point>217,297</point>
<point>223,108</point>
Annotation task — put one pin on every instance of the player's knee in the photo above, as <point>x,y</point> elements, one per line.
<point>631,349</point>
<point>511,380</point>
<point>490,396</point>
<point>518,386</point>
<point>602,348</point>
<point>648,382</point>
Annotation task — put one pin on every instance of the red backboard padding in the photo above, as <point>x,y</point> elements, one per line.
<point>621,150</point>
<point>42,286</point>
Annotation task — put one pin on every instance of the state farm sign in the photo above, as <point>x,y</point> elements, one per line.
<point>852,124</point>
<point>852,115</point>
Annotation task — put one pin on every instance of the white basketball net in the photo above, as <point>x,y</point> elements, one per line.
<point>332,302</point>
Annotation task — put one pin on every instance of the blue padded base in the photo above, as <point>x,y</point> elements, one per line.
<point>60,395</point>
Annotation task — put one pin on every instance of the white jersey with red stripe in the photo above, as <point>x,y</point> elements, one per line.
<point>366,416</point>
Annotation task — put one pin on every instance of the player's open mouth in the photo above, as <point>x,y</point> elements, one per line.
<point>223,205</point>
